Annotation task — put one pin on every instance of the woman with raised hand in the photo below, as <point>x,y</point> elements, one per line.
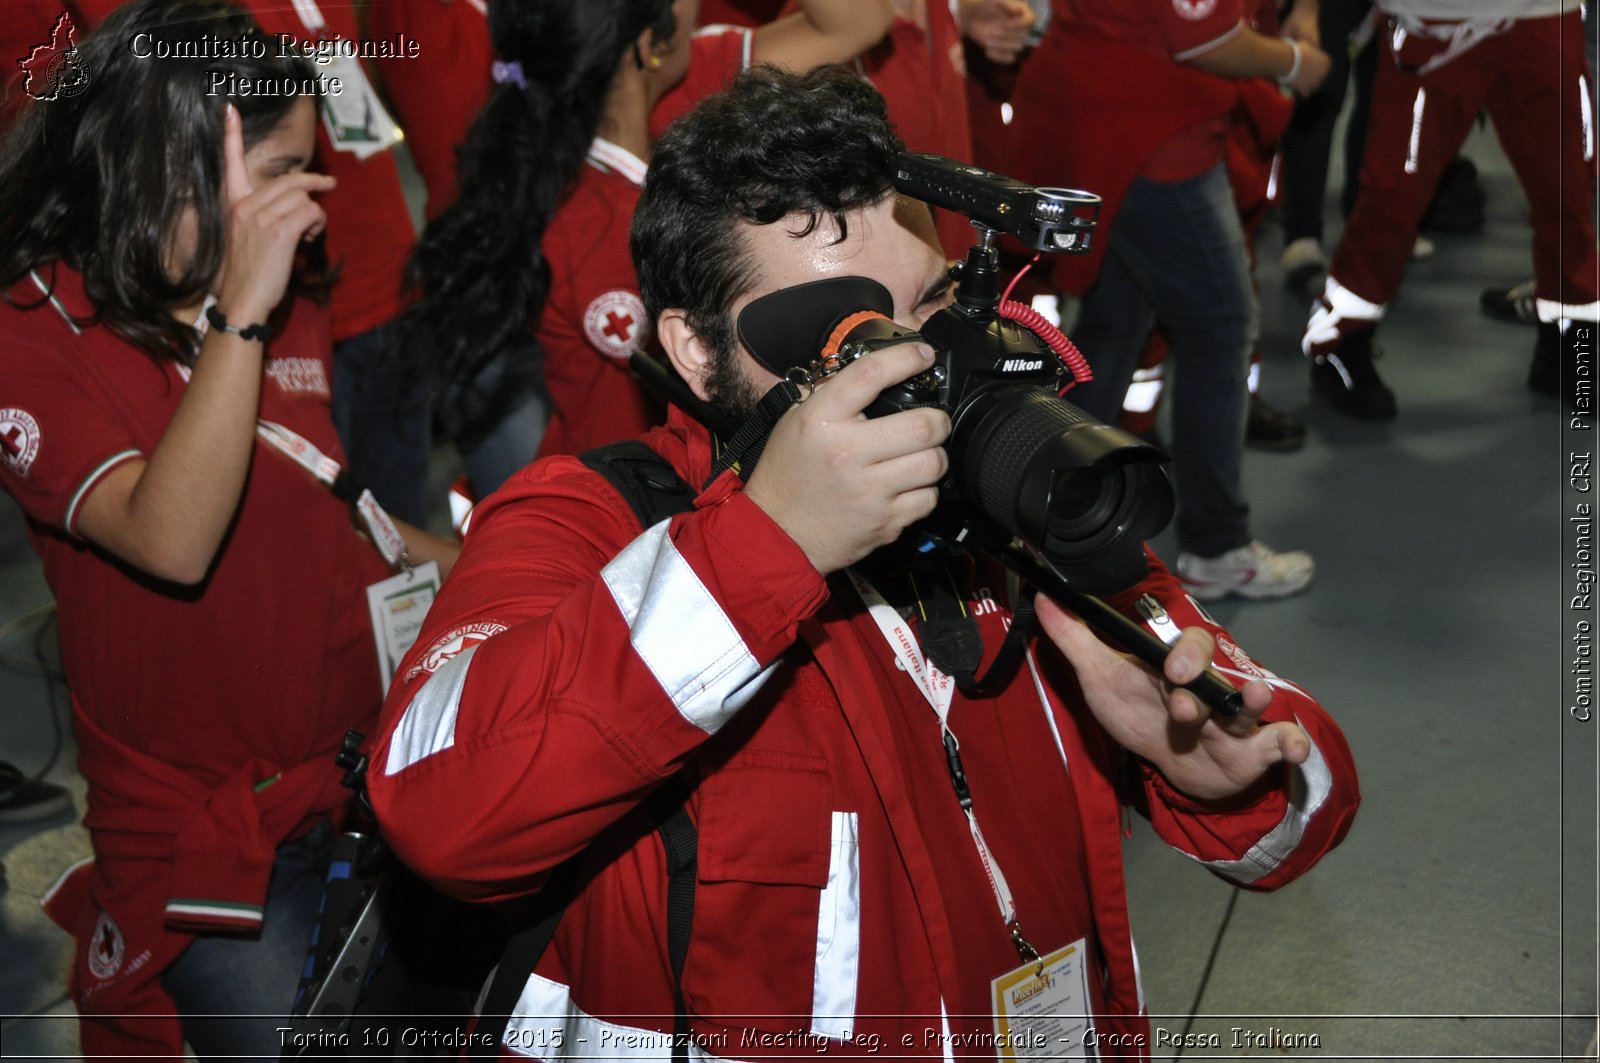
<point>165,426</point>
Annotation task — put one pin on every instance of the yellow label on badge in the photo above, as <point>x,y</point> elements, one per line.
<point>1044,1014</point>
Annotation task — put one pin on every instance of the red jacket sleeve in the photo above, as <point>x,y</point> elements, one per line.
<point>570,665</point>
<point>1281,828</point>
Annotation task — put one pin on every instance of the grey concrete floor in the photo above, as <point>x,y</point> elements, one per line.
<point>1458,921</point>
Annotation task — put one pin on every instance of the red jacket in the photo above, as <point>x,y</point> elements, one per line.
<point>573,664</point>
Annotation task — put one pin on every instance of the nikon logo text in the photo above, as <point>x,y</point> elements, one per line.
<point>1022,365</point>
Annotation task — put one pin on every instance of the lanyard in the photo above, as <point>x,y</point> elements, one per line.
<point>939,690</point>
<point>311,16</point>
<point>304,453</point>
<point>618,160</point>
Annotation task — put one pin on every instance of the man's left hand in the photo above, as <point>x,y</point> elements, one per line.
<point>1203,755</point>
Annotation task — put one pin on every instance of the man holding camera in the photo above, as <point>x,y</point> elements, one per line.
<point>883,862</point>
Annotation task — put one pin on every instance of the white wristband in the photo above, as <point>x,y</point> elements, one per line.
<point>1294,67</point>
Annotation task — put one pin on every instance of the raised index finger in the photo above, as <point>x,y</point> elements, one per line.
<point>235,174</point>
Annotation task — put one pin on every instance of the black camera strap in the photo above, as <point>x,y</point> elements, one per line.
<point>743,450</point>
<point>946,628</point>
<point>950,636</point>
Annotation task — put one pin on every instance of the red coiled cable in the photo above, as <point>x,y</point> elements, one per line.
<point>1054,338</point>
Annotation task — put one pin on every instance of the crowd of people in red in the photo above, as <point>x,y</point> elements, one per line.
<point>232,344</point>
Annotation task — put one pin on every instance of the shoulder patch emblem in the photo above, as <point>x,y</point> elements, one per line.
<point>1194,10</point>
<point>19,439</point>
<point>615,323</point>
<point>453,643</point>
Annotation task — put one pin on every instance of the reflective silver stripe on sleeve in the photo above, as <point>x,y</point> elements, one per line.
<point>838,968</point>
<point>681,633</point>
<point>1309,787</point>
<point>429,723</point>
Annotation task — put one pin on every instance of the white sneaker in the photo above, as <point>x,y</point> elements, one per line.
<point>1250,571</point>
<point>1303,262</point>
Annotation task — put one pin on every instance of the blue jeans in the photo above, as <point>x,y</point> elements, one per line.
<point>509,446</point>
<point>1177,253</point>
<point>386,427</point>
<point>235,992</point>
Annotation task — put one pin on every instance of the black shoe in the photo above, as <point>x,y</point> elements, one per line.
<point>1544,373</point>
<point>1350,381</point>
<point>1514,304</point>
<point>24,798</point>
<point>1269,428</point>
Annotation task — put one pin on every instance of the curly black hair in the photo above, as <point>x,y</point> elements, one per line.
<point>102,180</point>
<point>772,145</point>
<point>478,270</point>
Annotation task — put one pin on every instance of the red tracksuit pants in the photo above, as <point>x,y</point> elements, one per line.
<point>1532,80</point>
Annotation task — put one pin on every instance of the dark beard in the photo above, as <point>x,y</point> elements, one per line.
<point>731,392</point>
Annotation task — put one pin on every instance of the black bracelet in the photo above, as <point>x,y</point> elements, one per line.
<point>249,332</point>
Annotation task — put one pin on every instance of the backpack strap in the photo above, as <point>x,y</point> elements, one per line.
<point>651,487</point>
<point>655,492</point>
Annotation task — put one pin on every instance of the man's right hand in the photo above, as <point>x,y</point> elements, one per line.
<point>843,484</point>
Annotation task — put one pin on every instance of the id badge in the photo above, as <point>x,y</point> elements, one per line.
<point>355,118</point>
<point>1044,1015</point>
<point>398,606</point>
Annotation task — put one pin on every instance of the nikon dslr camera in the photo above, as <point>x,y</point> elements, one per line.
<point>1025,462</point>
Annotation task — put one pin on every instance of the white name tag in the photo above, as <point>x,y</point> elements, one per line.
<point>355,118</point>
<point>1044,1015</point>
<point>398,606</point>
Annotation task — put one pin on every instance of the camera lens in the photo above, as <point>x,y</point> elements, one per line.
<point>1076,496</point>
<point>1085,493</point>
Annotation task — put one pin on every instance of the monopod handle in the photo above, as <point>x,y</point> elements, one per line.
<point>1217,693</point>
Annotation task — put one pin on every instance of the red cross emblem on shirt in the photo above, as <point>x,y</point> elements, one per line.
<point>19,439</point>
<point>618,326</point>
<point>615,323</point>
